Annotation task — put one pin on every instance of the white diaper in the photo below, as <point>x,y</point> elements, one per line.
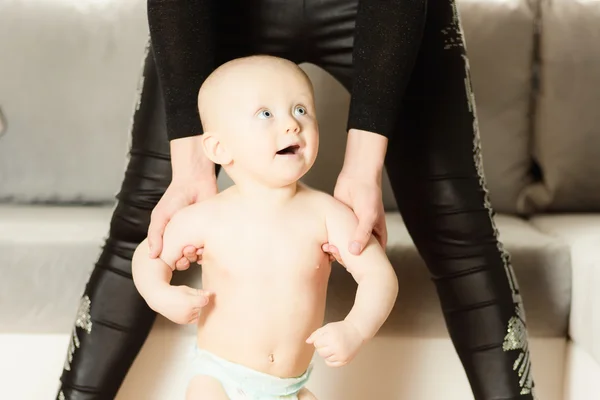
<point>243,383</point>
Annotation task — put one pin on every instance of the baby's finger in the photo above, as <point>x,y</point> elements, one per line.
<point>326,352</point>
<point>199,301</point>
<point>197,292</point>
<point>335,364</point>
<point>322,341</point>
<point>194,318</point>
<point>334,250</point>
<point>189,252</point>
<point>182,264</point>
<point>336,255</point>
<point>331,250</point>
<point>311,339</point>
<point>199,298</point>
<point>205,293</point>
<point>316,335</point>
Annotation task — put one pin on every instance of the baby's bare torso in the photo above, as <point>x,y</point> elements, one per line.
<point>269,276</point>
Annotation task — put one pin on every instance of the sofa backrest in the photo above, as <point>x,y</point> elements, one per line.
<point>70,71</point>
<point>566,135</point>
<point>68,78</point>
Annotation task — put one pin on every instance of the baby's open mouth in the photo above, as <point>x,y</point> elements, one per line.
<point>289,150</point>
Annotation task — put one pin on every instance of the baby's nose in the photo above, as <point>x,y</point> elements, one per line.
<point>293,127</point>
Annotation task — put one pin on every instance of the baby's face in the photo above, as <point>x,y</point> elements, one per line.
<point>272,130</point>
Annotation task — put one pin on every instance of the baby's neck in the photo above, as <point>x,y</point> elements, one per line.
<point>266,196</point>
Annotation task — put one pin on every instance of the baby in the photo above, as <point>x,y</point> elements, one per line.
<point>264,274</point>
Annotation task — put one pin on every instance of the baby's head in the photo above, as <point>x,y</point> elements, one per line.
<point>259,120</point>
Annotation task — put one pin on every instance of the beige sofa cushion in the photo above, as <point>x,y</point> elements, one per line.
<point>567,135</point>
<point>499,38</point>
<point>68,77</point>
<point>46,257</point>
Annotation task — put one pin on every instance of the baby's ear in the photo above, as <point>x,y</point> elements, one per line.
<point>215,149</point>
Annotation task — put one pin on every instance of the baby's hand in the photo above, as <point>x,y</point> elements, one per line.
<point>337,342</point>
<point>182,304</point>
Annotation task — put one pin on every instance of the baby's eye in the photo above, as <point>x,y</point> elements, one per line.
<point>300,110</point>
<point>265,114</point>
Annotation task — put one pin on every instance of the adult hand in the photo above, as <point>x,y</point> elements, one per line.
<point>364,197</point>
<point>194,180</point>
<point>178,195</point>
<point>359,187</point>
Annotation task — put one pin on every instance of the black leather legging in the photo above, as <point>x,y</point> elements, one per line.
<point>434,165</point>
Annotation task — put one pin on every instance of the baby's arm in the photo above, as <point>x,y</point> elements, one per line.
<point>377,281</point>
<point>152,276</point>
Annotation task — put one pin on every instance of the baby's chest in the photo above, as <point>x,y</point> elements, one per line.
<point>270,247</point>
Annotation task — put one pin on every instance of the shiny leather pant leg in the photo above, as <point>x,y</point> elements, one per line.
<point>113,320</point>
<point>439,182</point>
<point>435,170</point>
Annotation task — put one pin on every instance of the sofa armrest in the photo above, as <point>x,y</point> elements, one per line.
<point>582,233</point>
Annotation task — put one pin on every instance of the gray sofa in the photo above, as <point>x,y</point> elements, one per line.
<point>68,78</point>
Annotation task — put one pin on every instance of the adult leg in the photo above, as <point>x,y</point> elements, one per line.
<point>436,173</point>
<point>434,166</point>
<point>113,320</point>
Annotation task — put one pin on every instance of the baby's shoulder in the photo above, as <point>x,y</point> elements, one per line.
<point>338,218</point>
<point>324,202</point>
<point>314,196</point>
<point>202,210</point>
